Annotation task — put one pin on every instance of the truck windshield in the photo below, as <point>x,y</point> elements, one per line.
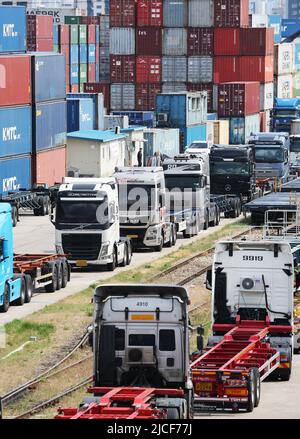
<point>269,155</point>
<point>182,182</point>
<point>286,113</point>
<point>198,145</point>
<point>141,196</point>
<point>295,145</point>
<point>230,168</point>
<point>80,212</point>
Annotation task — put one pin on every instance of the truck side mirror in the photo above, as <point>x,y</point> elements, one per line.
<point>208,282</point>
<point>200,343</point>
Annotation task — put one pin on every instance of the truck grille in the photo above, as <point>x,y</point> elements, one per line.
<point>82,246</point>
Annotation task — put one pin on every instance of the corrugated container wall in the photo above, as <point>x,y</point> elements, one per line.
<point>174,69</point>
<point>43,173</point>
<point>15,174</point>
<point>146,95</point>
<point>39,26</point>
<point>143,118</point>
<point>266,96</point>
<point>122,13</point>
<point>104,67</point>
<point>48,77</point>
<point>258,20</point>
<point>256,68</point>
<point>173,87</point>
<point>122,68</point>
<point>12,29</point>
<point>218,132</point>
<point>122,97</point>
<point>274,21</point>
<point>99,88</point>
<point>201,13</point>
<point>49,125</point>
<point>240,128</point>
<point>189,134</point>
<point>148,41</point>
<point>227,41</point>
<point>164,141</point>
<point>148,69</point>
<point>200,41</point>
<point>226,69</point>
<point>256,41</point>
<point>80,115</point>
<point>175,13</point>
<point>150,13</point>
<point>239,99</point>
<point>15,129</point>
<point>122,41</point>
<point>231,13</point>
<point>284,86</point>
<point>15,70</point>
<point>200,69</point>
<point>212,94</point>
<point>297,84</point>
<point>284,59</point>
<point>175,41</point>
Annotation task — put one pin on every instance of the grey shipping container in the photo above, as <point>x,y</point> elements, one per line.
<point>175,13</point>
<point>174,69</point>
<point>201,13</point>
<point>170,87</point>
<point>240,128</point>
<point>165,141</point>
<point>122,97</point>
<point>175,41</point>
<point>122,41</point>
<point>200,69</point>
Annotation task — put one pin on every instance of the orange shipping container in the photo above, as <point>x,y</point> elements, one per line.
<point>49,166</point>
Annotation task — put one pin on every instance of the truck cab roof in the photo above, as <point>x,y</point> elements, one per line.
<point>143,175</point>
<point>224,152</point>
<point>291,103</point>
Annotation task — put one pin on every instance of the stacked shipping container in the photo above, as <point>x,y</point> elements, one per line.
<point>284,70</point>
<point>39,33</point>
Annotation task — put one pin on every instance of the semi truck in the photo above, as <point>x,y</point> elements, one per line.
<point>143,211</point>
<point>271,157</point>
<point>188,193</point>
<point>284,112</point>
<point>21,275</point>
<point>87,225</point>
<point>252,286</point>
<point>141,355</point>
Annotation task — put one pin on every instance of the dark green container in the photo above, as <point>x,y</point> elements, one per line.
<point>72,20</point>
<point>83,34</point>
<point>83,73</point>
<point>74,33</point>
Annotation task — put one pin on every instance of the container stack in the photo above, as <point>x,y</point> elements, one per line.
<point>39,33</point>
<point>284,70</point>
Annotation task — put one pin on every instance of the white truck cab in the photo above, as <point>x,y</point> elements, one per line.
<point>87,223</point>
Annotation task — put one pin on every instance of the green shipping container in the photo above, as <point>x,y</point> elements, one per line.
<point>74,34</point>
<point>72,20</point>
<point>81,88</point>
<point>56,48</point>
<point>83,34</point>
<point>297,84</point>
<point>83,73</point>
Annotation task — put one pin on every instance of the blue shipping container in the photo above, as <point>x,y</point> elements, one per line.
<point>15,174</point>
<point>164,141</point>
<point>83,54</point>
<point>55,34</point>
<point>97,72</point>
<point>212,116</point>
<point>98,101</point>
<point>50,125</point>
<point>12,29</point>
<point>74,79</point>
<point>240,128</point>
<point>143,118</point>
<point>80,115</point>
<point>275,22</point>
<point>297,56</point>
<point>15,131</point>
<point>48,77</point>
<point>289,26</point>
<point>97,34</point>
<point>92,53</point>
<point>190,134</point>
<point>74,53</point>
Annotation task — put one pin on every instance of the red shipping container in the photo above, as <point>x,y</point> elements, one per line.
<point>148,69</point>
<point>256,68</point>
<point>226,69</point>
<point>91,34</point>
<point>64,34</point>
<point>122,13</point>
<point>200,41</point>
<point>227,41</point>
<point>67,76</point>
<point>263,121</point>
<point>99,87</point>
<point>15,80</point>
<point>92,72</point>
<point>90,19</point>
<point>149,41</point>
<point>49,167</point>
<point>257,41</point>
<point>122,68</point>
<point>238,99</point>
<point>97,54</point>
<point>209,88</point>
<point>146,96</point>
<point>40,26</point>
<point>231,13</point>
<point>42,45</point>
<point>150,13</point>
<point>65,50</point>
<point>74,88</point>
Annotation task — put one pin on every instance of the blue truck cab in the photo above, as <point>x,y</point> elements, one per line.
<point>284,111</point>
<point>10,285</point>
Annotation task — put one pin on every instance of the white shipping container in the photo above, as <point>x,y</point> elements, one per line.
<point>122,41</point>
<point>174,69</point>
<point>175,13</point>
<point>268,120</point>
<point>200,69</point>
<point>295,127</point>
<point>111,122</point>
<point>259,20</point>
<point>201,13</point>
<point>218,132</point>
<point>284,86</point>
<point>122,97</point>
<point>284,59</point>
<point>175,41</point>
<point>164,141</point>
<point>266,96</point>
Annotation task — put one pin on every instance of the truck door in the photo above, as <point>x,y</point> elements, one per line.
<point>170,353</point>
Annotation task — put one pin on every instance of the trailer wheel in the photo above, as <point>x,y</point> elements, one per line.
<point>251,391</point>
<point>51,288</point>
<point>21,300</point>
<point>5,306</point>
<point>112,265</point>
<point>206,223</point>
<point>65,274</point>
<point>29,288</point>
<point>257,386</point>
<point>125,260</point>
<point>14,216</point>
<point>172,413</point>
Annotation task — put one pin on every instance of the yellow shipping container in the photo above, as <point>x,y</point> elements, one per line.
<point>218,132</point>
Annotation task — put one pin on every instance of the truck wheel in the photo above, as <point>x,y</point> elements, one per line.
<point>251,391</point>
<point>112,266</point>
<point>170,242</point>
<point>51,288</point>
<point>65,274</point>
<point>158,248</point>
<point>129,253</point>
<point>21,300</point>
<point>174,236</point>
<point>125,259</point>
<point>29,288</point>
<point>206,223</point>
<point>5,306</point>
<point>172,413</point>
<point>47,205</point>
<point>59,275</point>
<point>14,216</point>
<point>257,386</point>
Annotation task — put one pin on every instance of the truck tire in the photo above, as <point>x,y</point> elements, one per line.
<point>112,265</point>
<point>206,222</point>
<point>29,288</point>
<point>257,386</point>
<point>52,268</point>
<point>59,275</point>
<point>158,248</point>
<point>173,413</point>
<point>47,204</point>
<point>129,253</point>
<point>251,391</point>
<point>174,235</point>
<point>125,259</point>
<point>65,274</point>
<point>5,306</point>
<point>14,216</point>
<point>21,300</point>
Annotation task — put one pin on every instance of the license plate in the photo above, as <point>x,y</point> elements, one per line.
<point>132,236</point>
<point>204,387</point>
<point>81,263</point>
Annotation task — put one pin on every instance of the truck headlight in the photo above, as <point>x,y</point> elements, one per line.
<point>104,250</point>
<point>152,232</point>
